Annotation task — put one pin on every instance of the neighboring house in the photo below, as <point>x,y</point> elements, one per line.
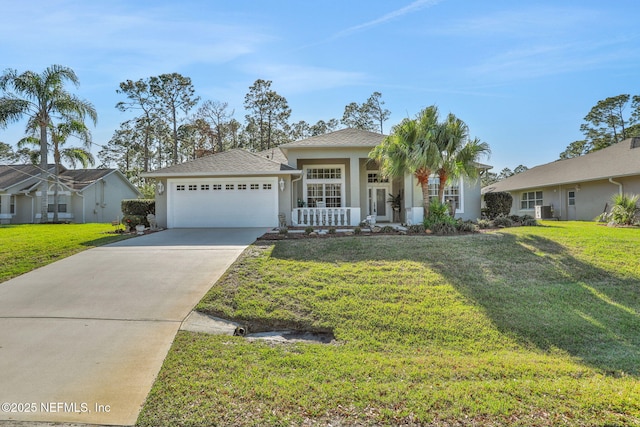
<point>578,188</point>
<point>84,195</point>
<point>326,179</point>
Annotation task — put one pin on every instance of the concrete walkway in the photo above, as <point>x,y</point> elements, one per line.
<point>82,339</point>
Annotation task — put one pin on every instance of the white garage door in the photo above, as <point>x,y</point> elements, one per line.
<point>222,202</point>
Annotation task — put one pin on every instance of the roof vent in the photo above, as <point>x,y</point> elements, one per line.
<point>635,142</point>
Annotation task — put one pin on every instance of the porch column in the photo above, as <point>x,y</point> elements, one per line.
<point>354,176</point>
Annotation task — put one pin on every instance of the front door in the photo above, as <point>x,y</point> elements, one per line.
<point>377,202</point>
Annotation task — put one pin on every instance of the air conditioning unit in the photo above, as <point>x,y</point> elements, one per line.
<point>543,212</point>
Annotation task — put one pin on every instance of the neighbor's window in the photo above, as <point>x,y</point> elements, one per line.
<point>62,204</point>
<point>531,199</point>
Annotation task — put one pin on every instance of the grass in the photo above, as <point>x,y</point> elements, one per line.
<point>531,326</point>
<point>29,246</point>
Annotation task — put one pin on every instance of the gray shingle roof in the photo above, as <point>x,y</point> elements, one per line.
<point>348,138</point>
<point>227,163</point>
<point>11,175</point>
<point>78,179</point>
<point>619,160</point>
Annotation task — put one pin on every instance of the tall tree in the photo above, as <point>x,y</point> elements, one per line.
<point>173,93</point>
<point>40,97</point>
<point>140,99</point>
<point>412,147</point>
<point>321,127</point>
<point>6,153</point>
<point>377,111</point>
<point>606,122</point>
<point>216,114</point>
<point>269,112</point>
<point>370,115</point>
<point>459,153</point>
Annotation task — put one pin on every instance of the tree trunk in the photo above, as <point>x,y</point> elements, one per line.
<point>425,197</point>
<point>442,175</point>
<point>44,184</point>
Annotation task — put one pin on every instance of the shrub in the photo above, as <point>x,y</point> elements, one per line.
<point>283,230</point>
<point>502,221</point>
<point>625,209</point>
<point>466,227</point>
<point>498,204</point>
<point>332,230</point>
<point>308,230</point>
<point>439,221</point>
<point>142,207</point>
<point>416,229</point>
<point>135,211</point>
<point>387,229</point>
<point>529,222</point>
<point>357,230</point>
<point>484,223</point>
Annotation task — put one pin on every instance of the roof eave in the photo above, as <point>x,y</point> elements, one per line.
<point>220,174</point>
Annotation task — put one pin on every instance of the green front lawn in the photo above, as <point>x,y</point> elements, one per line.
<point>29,246</point>
<point>531,326</point>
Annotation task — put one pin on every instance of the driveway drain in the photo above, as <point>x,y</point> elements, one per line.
<point>200,322</point>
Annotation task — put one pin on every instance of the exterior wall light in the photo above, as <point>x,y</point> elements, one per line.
<point>281,184</point>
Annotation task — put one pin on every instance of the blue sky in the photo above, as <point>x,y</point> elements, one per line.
<point>521,74</point>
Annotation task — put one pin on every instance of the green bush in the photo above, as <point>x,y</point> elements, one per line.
<point>502,221</point>
<point>308,230</point>
<point>498,204</point>
<point>131,221</point>
<point>625,209</point>
<point>142,207</point>
<point>466,227</point>
<point>484,223</point>
<point>331,231</point>
<point>416,229</point>
<point>438,220</point>
<point>387,229</point>
<point>357,230</point>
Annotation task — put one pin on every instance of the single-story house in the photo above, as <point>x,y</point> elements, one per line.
<point>84,195</point>
<point>323,180</point>
<point>579,188</point>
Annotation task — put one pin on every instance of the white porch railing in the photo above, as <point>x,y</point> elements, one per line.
<point>327,217</point>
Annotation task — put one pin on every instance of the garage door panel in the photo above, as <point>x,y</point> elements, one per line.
<point>197,204</point>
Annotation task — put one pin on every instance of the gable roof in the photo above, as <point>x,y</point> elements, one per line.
<point>226,163</point>
<point>12,175</point>
<point>79,179</point>
<point>619,160</point>
<point>344,138</point>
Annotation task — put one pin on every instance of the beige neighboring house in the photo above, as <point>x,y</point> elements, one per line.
<point>575,189</point>
<point>323,180</point>
<point>84,195</point>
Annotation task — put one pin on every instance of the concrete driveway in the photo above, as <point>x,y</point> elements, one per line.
<point>82,339</point>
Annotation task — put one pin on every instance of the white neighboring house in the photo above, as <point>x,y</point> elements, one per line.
<point>579,188</point>
<point>84,195</point>
<point>324,180</point>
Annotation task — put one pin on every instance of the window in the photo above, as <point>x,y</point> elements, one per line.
<point>324,173</point>
<point>375,177</point>
<point>255,186</point>
<point>229,187</point>
<point>323,185</point>
<point>242,186</point>
<point>266,186</point>
<point>62,204</point>
<point>12,204</point>
<point>571,198</point>
<point>216,187</point>
<point>204,187</point>
<point>451,192</point>
<point>180,187</point>
<point>531,199</point>
<point>193,187</point>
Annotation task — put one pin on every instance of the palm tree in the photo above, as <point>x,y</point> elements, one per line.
<point>412,147</point>
<point>40,97</point>
<point>74,155</point>
<point>459,153</point>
